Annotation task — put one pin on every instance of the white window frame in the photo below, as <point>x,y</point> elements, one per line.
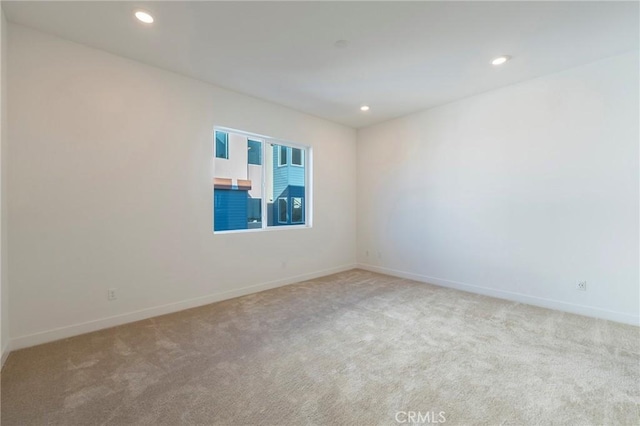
<point>307,154</point>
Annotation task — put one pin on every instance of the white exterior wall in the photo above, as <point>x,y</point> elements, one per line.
<point>235,167</point>
<point>255,176</point>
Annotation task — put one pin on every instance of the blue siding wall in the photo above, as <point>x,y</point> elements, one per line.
<point>296,191</point>
<point>296,175</point>
<point>288,182</point>
<point>230,209</point>
<point>280,177</point>
<point>289,193</point>
<point>284,176</point>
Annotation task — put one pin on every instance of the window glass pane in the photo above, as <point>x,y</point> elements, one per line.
<point>222,145</point>
<point>255,152</point>
<point>254,213</point>
<point>297,210</point>
<point>282,210</point>
<point>237,186</point>
<point>265,188</point>
<point>230,209</point>
<point>284,185</point>
<point>296,156</point>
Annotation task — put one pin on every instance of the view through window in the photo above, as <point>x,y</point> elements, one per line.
<point>258,182</point>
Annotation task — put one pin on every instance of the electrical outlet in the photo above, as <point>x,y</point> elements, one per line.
<point>581,285</point>
<point>111,294</point>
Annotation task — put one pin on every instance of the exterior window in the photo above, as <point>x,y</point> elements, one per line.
<point>265,188</point>
<point>255,152</point>
<point>282,158</point>
<point>282,210</point>
<point>296,156</point>
<point>286,185</point>
<point>297,213</point>
<point>222,144</point>
<point>254,212</point>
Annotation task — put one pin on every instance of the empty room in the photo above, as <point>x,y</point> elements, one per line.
<point>320,213</point>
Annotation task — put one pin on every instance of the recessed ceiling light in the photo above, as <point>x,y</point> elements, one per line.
<point>364,108</point>
<point>500,60</point>
<point>144,17</point>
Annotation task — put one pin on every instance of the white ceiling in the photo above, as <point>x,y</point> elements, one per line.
<point>402,56</point>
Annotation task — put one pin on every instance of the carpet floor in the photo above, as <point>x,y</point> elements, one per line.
<point>355,348</point>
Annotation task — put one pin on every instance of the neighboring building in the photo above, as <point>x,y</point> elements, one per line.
<point>287,203</point>
<point>238,186</point>
<point>238,182</point>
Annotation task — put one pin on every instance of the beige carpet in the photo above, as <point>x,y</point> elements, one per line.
<point>353,348</point>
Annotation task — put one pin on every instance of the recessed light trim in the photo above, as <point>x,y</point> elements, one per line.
<point>364,108</point>
<point>500,60</point>
<point>143,16</point>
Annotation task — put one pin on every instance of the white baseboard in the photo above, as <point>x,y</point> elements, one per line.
<point>507,295</point>
<point>99,324</point>
<point>5,354</point>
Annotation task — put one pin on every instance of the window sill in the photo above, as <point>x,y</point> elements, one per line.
<point>267,229</point>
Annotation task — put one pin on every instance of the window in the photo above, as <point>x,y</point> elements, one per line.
<point>296,157</point>
<point>267,188</point>
<point>254,213</point>
<point>282,158</point>
<point>255,152</point>
<point>222,145</point>
<point>282,210</point>
<point>286,184</point>
<point>297,212</point>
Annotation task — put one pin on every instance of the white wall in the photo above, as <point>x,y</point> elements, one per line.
<point>518,193</point>
<point>110,185</point>
<point>4,282</point>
